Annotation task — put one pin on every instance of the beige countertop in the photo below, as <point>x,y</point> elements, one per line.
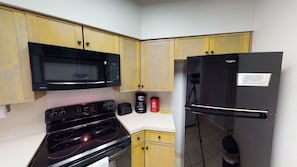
<point>18,152</point>
<point>135,122</point>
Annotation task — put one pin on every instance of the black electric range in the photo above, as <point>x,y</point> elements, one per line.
<point>79,135</point>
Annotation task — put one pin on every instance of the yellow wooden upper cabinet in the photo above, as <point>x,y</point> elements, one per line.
<point>156,149</point>
<point>157,65</point>
<point>130,64</point>
<point>52,31</point>
<point>15,78</point>
<point>230,43</point>
<point>212,44</point>
<point>97,40</point>
<point>190,46</point>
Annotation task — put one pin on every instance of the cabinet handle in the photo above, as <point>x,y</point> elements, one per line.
<point>159,137</point>
<point>206,52</point>
<point>78,42</point>
<point>87,43</point>
<point>138,138</point>
<point>212,52</point>
<point>142,148</point>
<point>146,148</point>
<point>142,86</point>
<point>139,86</point>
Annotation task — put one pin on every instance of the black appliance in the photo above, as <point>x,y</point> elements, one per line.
<point>140,104</point>
<point>124,108</point>
<point>241,85</point>
<point>80,135</point>
<point>60,68</point>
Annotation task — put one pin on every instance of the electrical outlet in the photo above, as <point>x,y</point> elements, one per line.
<point>3,111</point>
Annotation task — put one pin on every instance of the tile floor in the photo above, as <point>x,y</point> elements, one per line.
<point>211,143</point>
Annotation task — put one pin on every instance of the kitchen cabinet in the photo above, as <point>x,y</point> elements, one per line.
<point>97,40</point>
<point>137,149</point>
<point>190,46</point>
<point>153,148</point>
<point>212,44</point>
<point>146,66</point>
<point>15,78</point>
<point>157,65</point>
<point>130,64</point>
<point>52,31</point>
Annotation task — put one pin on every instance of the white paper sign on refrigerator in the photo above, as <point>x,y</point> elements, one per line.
<point>253,79</point>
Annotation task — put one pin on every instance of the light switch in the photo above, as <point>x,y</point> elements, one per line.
<point>3,111</point>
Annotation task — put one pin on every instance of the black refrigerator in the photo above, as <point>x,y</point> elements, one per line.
<point>241,87</point>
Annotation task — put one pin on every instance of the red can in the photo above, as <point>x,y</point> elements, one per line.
<point>154,104</point>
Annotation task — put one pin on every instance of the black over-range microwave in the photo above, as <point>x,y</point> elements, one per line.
<point>61,68</point>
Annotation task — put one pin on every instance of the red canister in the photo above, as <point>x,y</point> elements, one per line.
<point>154,104</point>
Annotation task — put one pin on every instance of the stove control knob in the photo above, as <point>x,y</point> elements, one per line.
<point>105,105</point>
<point>111,106</point>
<point>53,114</point>
<point>78,110</point>
<point>62,112</point>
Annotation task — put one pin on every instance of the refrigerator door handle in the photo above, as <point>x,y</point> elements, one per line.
<point>230,109</point>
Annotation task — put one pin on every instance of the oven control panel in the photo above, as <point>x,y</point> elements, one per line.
<point>79,111</point>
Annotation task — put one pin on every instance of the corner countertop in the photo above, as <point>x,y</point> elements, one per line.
<point>19,152</point>
<point>135,122</point>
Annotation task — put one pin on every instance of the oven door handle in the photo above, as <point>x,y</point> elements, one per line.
<point>118,154</point>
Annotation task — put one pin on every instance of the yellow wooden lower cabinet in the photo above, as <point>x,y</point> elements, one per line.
<point>153,149</point>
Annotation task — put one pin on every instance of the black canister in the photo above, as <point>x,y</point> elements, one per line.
<point>140,104</point>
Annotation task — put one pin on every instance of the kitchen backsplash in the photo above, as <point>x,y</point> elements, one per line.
<point>28,118</point>
<point>69,97</point>
<point>23,119</point>
<point>129,97</point>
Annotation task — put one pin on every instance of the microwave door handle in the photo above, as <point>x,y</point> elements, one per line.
<point>106,71</point>
<point>75,83</point>
<point>97,82</point>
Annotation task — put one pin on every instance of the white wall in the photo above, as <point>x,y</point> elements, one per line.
<point>69,97</point>
<point>23,119</point>
<point>276,29</point>
<point>196,17</point>
<point>120,16</point>
<point>178,104</point>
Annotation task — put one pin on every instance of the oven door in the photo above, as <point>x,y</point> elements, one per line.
<point>122,158</point>
<point>119,155</point>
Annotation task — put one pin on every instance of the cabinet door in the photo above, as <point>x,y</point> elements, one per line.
<point>137,149</point>
<point>157,65</point>
<point>15,78</point>
<point>54,32</point>
<point>190,46</point>
<point>159,148</point>
<point>159,154</point>
<point>230,43</point>
<point>130,64</point>
<point>101,41</point>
